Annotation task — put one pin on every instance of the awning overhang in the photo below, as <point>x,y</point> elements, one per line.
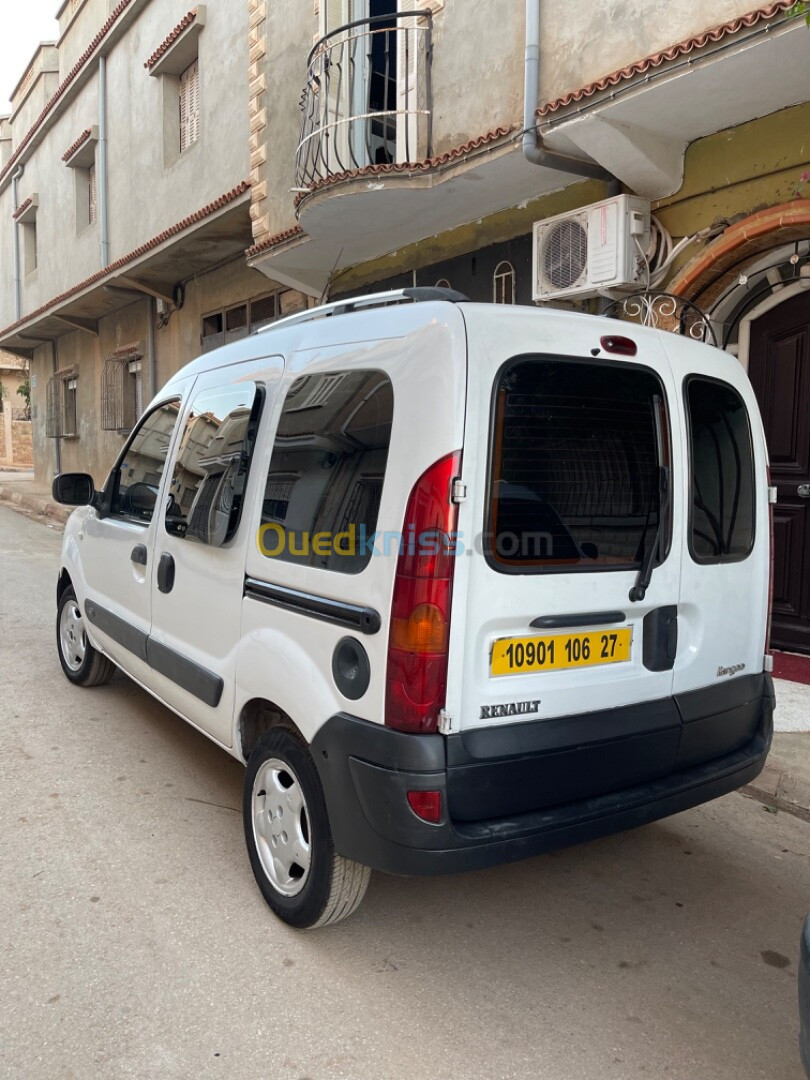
<point>216,239</point>
<point>639,129</point>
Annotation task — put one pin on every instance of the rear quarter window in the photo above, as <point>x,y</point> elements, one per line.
<point>721,461</point>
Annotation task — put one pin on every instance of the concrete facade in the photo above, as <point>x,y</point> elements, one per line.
<point>228,218</point>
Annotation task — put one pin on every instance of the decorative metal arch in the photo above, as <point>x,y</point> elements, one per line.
<point>664,311</point>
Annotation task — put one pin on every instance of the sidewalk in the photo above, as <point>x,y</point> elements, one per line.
<point>19,488</point>
<point>783,784</point>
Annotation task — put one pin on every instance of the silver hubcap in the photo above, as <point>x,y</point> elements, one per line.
<point>72,638</point>
<point>281,827</point>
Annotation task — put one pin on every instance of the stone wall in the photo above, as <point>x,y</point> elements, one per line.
<point>22,452</point>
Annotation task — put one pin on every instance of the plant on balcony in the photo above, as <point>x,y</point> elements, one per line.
<point>801,7</point>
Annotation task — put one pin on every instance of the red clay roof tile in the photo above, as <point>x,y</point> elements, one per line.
<point>185,22</point>
<point>22,208</point>
<point>82,139</point>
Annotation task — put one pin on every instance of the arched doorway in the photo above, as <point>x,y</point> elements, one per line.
<point>779,369</point>
<point>752,282</point>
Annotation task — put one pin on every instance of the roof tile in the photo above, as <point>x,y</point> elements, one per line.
<point>164,46</point>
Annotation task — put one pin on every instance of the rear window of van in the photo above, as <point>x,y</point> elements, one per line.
<point>721,519</point>
<point>576,459</point>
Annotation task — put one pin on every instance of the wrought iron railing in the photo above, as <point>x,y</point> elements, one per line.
<point>367,100</point>
<point>664,312</point>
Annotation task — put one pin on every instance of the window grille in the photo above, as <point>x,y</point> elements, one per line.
<point>121,393</point>
<point>70,417</point>
<point>503,284</point>
<point>61,416</point>
<point>263,310</point>
<point>189,106</point>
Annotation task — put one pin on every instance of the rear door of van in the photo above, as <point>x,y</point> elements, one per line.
<point>573,457</point>
<point>725,553</point>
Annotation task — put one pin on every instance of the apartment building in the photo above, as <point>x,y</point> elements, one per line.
<point>171,178</point>
<point>125,210</point>
<point>424,140</point>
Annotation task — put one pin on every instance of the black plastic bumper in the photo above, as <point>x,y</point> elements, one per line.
<point>711,742</point>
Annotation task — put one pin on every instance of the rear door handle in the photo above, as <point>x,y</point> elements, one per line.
<point>138,554</point>
<point>803,491</point>
<point>165,573</point>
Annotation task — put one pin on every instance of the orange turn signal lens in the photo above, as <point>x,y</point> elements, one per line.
<point>424,631</point>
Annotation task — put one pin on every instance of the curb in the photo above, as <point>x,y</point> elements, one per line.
<point>28,503</point>
<point>776,786</point>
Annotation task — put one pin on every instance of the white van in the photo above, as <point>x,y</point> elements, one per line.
<point>460,583</point>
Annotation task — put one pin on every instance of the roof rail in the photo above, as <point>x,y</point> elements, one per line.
<point>415,295</point>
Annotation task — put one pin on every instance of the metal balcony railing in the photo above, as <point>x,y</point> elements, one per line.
<point>367,100</point>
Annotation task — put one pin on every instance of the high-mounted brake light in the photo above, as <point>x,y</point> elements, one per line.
<point>416,678</point>
<point>621,346</point>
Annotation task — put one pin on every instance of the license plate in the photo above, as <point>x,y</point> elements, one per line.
<point>522,655</point>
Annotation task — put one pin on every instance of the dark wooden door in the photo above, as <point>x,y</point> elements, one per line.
<point>779,368</point>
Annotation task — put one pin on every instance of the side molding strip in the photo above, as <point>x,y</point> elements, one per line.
<point>188,675</point>
<point>364,620</point>
<point>118,629</point>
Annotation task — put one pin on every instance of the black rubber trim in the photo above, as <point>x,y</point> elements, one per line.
<point>729,694</point>
<point>130,637</point>
<point>589,618</point>
<point>363,620</point>
<point>139,554</point>
<point>187,674</point>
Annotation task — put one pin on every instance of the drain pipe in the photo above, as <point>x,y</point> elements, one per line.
<point>533,149</point>
<point>102,161</point>
<point>150,345</point>
<point>57,448</point>
<point>15,179</point>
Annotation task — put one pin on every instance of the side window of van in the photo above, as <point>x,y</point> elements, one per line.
<point>212,464</point>
<point>577,455</point>
<point>326,473</point>
<point>721,520</point>
<point>136,479</point>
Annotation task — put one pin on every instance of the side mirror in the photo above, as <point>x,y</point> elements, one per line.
<point>73,489</point>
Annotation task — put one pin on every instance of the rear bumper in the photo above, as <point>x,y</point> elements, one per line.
<point>367,769</point>
<point>804,996</point>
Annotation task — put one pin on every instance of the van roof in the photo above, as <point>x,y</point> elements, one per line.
<point>402,311</point>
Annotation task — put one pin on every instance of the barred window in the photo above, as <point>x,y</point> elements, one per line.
<point>121,391</point>
<point>62,418</point>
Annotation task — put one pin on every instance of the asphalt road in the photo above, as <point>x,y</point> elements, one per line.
<point>134,943</point>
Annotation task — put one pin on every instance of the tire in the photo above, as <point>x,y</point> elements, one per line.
<point>81,663</point>
<point>289,842</point>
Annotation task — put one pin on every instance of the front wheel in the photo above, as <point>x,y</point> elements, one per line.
<point>302,878</point>
<point>82,664</point>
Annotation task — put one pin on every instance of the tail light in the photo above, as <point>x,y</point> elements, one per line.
<point>416,679</point>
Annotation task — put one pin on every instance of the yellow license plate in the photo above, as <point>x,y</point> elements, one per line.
<point>522,655</point>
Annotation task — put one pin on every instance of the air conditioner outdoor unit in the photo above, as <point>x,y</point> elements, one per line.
<point>586,251</point>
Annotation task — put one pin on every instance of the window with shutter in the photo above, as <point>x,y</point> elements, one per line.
<point>189,106</point>
<point>70,425</point>
<point>53,407</point>
<point>112,394</point>
<point>91,194</point>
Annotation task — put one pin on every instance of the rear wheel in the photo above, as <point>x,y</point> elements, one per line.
<point>302,878</point>
<point>82,664</point>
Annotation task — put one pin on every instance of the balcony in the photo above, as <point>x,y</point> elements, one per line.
<point>367,99</point>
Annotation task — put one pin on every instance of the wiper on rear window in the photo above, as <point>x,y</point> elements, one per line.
<point>639,590</point>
